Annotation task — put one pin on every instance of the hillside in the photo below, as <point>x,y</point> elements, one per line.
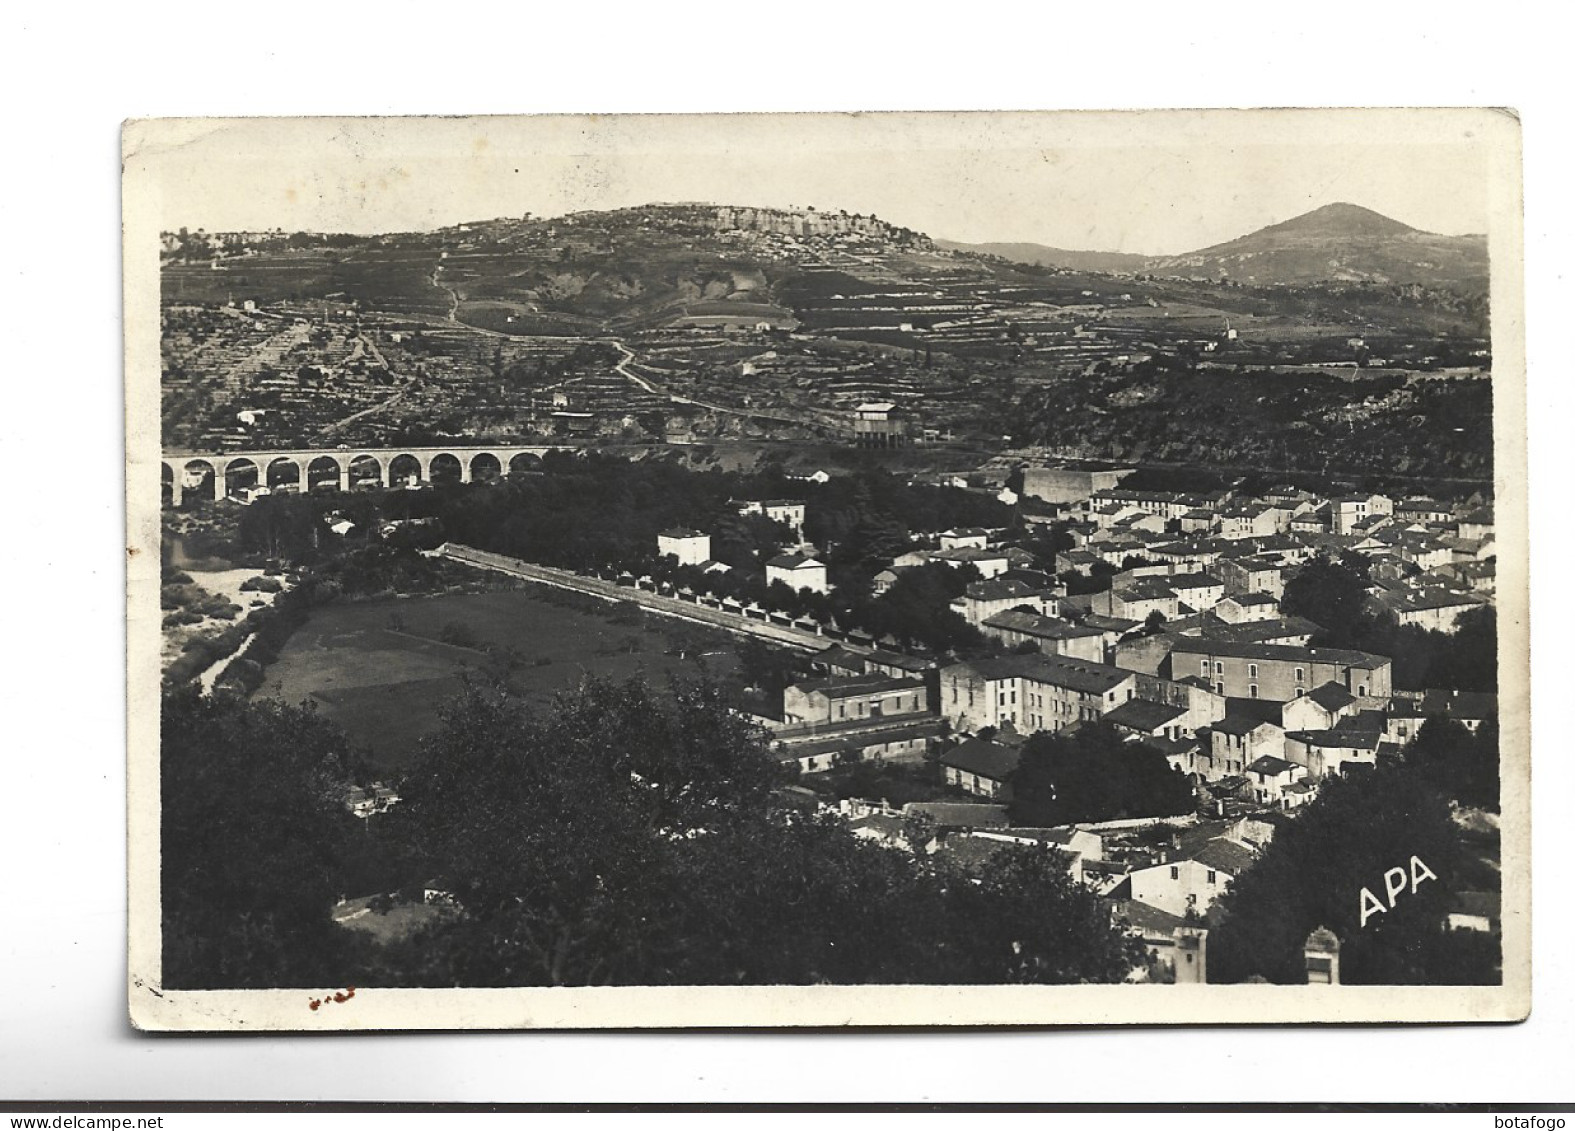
<point>1104,262</point>
<point>1342,243</point>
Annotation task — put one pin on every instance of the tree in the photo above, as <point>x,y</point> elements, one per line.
<point>1088,773</point>
<point>252,824</point>
<point>1462,765</point>
<point>624,841</point>
<point>1315,870</point>
<point>1329,593</point>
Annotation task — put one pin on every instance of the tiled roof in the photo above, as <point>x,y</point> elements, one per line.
<point>1142,715</point>
<point>983,757</point>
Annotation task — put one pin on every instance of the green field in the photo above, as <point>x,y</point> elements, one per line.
<point>381,669</point>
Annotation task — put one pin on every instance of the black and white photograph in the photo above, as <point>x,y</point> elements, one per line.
<point>891,569</point>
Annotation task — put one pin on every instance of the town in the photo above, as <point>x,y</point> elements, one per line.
<point>1172,666</point>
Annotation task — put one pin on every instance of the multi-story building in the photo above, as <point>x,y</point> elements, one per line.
<point>1049,634</point>
<point>984,599</point>
<point>789,512</point>
<point>1030,692</point>
<point>1278,672</point>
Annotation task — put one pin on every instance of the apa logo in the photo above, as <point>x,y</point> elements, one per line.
<point>1394,883</point>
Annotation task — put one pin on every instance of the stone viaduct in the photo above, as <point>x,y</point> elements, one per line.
<point>306,468</point>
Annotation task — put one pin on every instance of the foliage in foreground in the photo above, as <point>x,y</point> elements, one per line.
<point>1313,872</point>
<point>620,839</point>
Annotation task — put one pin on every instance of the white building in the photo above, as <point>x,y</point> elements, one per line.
<point>690,547</point>
<point>797,572</point>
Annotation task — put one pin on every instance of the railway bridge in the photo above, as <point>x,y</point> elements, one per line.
<point>216,474</point>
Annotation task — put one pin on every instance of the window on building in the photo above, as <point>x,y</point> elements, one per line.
<point>1252,671</point>
<point>1175,873</point>
<point>1252,690</point>
<point>1219,668</point>
<point>1219,689</point>
<point>1211,875</point>
<point>1301,675</point>
<point>1204,668</point>
<point>1300,692</point>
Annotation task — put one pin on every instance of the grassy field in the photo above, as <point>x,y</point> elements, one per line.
<point>381,669</point>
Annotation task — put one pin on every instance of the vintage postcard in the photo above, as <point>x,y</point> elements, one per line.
<point>827,570</point>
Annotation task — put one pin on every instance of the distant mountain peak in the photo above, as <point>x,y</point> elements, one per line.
<point>1339,219</point>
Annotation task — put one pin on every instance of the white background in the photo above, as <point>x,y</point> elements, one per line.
<point>71,76</point>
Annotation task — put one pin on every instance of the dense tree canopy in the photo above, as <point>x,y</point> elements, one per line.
<point>252,845</point>
<point>620,839</point>
<point>1313,874</point>
<point>1333,594</point>
<point>1088,773</point>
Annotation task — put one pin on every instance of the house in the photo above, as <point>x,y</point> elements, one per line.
<point>1275,630</point>
<point>797,572</point>
<point>1437,610</point>
<point>1252,574</point>
<point>371,800</point>
<point>886,578</point>
<point>1408,711</point>
<point>852,697</point>
<point>1347,510</point>
<point>1477,525</point>
<point>1137,600</point>
<point>902,739</point>
<point>1270,776</point>
<point>789,512</point>
<point>1079,847</point>
<point>1141,718</point>
<point>958,816</point>
<point>1190,879</point>
<point>1240,608</point>
<point>1326,752</point>
<point>982,600</point>
<point>1250,520</point>
<point>1201,704</point>
<point>1236,741</point>
<point>1278,672</point>
<point>1200,592</point>
<point>882,828</point>
<point>968,538</point>
<point>989,563</point>
<point>1030,692</point>
<point>1050,635</point>
<point>1171,942</point>
<point>690,547</point>
<point>1475,911</point>
<point>1320,709</point>
<point>982,766</point>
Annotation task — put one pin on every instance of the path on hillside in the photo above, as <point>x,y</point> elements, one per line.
<point>751,414</point>
<point>651,602</point>
<point>365,341</point>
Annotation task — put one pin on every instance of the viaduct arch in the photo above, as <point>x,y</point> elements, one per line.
<point>215,475</point>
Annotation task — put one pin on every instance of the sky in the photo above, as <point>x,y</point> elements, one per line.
<point>1154,183</point>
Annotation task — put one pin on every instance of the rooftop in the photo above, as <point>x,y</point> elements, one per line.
<point>1142,715</point>
<point>983,757</point>
<point>1349,657</point>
